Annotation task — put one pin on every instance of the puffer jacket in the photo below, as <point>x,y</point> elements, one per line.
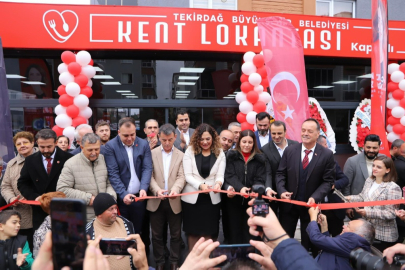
<point>82,179</point>
<point>239,174</point>
<point>9,189</point>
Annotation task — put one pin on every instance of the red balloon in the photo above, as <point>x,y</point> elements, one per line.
<point>244,78</point>
<point>262,72</point>
<point>398,129</point>
<point>87,91</point>
<point>398,94</point>
<point>258,60</point>
<point>265,83</point>
<point>246,125</point>
<point>61,90</point>
<point>68,57</point>
<point>391,86</point>
<point>402,103</point>
<point>91,62</point>
<point>259,107</point>
<point>402,67</point>
<point>72,111</point>
<point>246,87</point>
<point>389,111</point>
<point>402,136</point>
<point>78,121</point>
<point>393,120</point>
<point>252,97</point>
<point>81,80</point>
<point>58,130</point>
<point>65,100</point>
<point>74,68</point>
<point>241,117</point>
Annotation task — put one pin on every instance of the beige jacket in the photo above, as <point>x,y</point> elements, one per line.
<point>176,180</point>
<point>82,179</point>
<point>9,189</point>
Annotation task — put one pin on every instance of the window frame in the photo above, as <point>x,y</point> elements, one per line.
<point>191,4</point>
<point>331,6</point>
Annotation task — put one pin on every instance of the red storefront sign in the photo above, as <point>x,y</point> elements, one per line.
<point>94,27</point>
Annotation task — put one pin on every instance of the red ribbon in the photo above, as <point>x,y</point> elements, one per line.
<point>21,201</point>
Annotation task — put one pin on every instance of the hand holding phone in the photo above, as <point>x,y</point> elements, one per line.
<point>116,246</point>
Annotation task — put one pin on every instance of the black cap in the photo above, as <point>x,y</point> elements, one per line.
<point>102,202</point>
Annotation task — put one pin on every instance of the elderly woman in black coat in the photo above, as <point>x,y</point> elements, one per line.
<point>245,167</point>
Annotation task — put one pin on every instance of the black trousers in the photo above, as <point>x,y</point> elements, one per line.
<point>134,212</point>
<point>159,220</point>
<point>383,245</point>
<point>237,219</point>
<point>224,216</point>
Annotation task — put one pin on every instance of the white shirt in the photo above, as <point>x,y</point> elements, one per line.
<point>45,162</point>
<point>373,188</point>
<point>369,164</point>
<point>310,155</point>
<point>167,159</point>
<point>186,136</point>
<point>264,139</point>
<point>134,183</point>
<point>281,151</point>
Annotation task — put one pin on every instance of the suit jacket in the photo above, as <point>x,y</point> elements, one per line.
<point>119,171</point>
<point>258,140</point>
<point>78,150</point>
<point>177,142</point>
<point>381,216</point>
<point>400,167</point>
<point>35,181</point>
<point>176,179</point>
<point>192,167</point>
<point>341,181</point>
<point>356,170</point>
<point>273,156</point>
<point>320,177</point>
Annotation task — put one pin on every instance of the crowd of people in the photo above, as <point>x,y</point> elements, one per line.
<point>112,175</point>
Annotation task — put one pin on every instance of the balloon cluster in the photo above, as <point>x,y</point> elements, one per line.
<point>75,76</point>
<point>253,96</point>
<point>396,102</point>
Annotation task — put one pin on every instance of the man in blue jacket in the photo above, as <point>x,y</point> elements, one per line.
<point>336,250</point>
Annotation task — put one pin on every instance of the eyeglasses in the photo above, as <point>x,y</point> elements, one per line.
<point>22,143</point>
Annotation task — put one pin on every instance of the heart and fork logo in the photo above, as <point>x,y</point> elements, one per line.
<point>60,25</point>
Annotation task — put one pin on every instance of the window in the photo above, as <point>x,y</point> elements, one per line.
<point>335,8</point>
<point>215,4</point>
<point>126,61</point>
<point>126,78</point>
<point>147,80</point>
<point>147,63</point>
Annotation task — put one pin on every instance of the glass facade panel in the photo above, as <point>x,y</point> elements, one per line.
<point>32,119</point>
<point>322,8</point>
<point>343,9</point>
<point>340,121</point>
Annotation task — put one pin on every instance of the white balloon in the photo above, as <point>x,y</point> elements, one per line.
<point>402,121</point>
<point>251,117</point>
<point>62,68</point>
<point>81,101</point>
<point>86,113</point>
<point>255,79</point>
<point>249,68</point>
<point>83,58</point>
<point>389,128</point>
<point>240,97</point>
<point>397,76</point>
<point>392,67</point>
<point>392,103</point>
<point>248,56</point>
<point>89,71</point>
<point>261,52</point>
<point>90,83</point>
<point>72,89</point>
<point>66,78</point>
<point>265,97</point>
<point>59,109</point>
<point>398,112</point>
<point>63,120</point>
<point>389,95</point>
<point>69,132</point>
<point>392,136</point>
<point>258,89</point>
<point>245,107</point>
<point>401,85</point>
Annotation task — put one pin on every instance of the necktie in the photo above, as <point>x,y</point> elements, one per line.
<point>48,165</point>
<point>305,161</point>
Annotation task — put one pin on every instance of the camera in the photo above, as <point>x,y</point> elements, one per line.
<point>361,259</point>
<point>260,207</point>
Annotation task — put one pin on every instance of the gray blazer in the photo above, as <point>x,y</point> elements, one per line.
<point>177,142</point>
<point>356,170</point>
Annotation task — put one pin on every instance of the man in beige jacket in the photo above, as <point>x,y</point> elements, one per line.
<point>85,175</point>
<point>167,179</point>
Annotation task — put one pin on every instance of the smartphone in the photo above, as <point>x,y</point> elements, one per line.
<point>69,241</point>
<point>114,246</point>
<point>233,252</point>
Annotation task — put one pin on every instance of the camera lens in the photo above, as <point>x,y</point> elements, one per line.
<point>363,260</point>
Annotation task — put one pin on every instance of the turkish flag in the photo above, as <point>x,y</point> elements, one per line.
<point>284,59</point>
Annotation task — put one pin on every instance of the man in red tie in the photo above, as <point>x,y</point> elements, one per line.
<point>41,171</point>
<point>306,173</point>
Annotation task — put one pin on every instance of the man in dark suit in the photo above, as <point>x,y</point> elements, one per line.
<point>400,167</point>
<point>274,151</point>
<point>183,130</point>
<point>262,134</point>
<point>306,173</point>
<point>41,171</point>
<point>129,165</point>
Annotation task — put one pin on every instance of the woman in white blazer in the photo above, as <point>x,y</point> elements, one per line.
<point>204,168</point>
